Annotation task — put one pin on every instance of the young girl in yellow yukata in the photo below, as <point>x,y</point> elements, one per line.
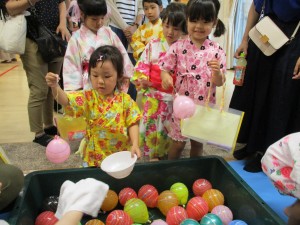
<point>157,103</point>
<point>148,31</point>
<point>112,117</point>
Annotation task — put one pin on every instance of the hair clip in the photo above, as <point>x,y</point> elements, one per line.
<point>101,58</point>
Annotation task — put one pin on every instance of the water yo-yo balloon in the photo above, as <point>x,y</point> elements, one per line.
<point>196,208</point>
<point>110,202</point>
<point>46,218</point>
<point>148,194</point>
<point>176,215</point>
<point>166,200</point>
<point>181,191</point>
<point>183,107</point>
<point>213,197</point>
<point>125,194</point>
<point>189,222</point>
<point>224,213</point>
<point>137,210</point>
<point>159,222</point>
<point>118,217</point>
<point>200,186</point>
<point>211,219</point>
<point>58,150</point>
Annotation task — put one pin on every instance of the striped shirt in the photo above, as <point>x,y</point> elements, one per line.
<point>127,10</point>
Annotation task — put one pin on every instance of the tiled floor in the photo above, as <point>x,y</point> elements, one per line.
<point>14,125</point>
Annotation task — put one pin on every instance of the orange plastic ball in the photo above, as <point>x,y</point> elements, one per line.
<point>213,197</point>
<point>166,200</point>
<point>110,202</point>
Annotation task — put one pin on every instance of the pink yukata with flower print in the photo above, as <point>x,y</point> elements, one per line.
<point>193,76</point>
<point>80,48</point>
<point>281,163</point>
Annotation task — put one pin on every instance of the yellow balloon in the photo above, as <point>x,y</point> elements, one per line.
<point>110,202</point>
<point>166,200</point>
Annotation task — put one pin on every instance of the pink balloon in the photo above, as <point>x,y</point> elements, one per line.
<point>58,150</point>
<point>159,222</point>
<point>224,213</point>
<point>183,107</point>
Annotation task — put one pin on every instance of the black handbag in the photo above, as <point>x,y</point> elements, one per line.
<point>50,44</point>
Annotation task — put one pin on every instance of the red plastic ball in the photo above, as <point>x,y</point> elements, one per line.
<point>46,218</point>
<point>176,215</point>
<point>200,186</point>
<point>196,208</point>
<point>149,195</point>
<point>118,217</point>
<point>125,194</point>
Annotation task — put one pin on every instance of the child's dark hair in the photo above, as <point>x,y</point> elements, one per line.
<point>93,7</point>
<point>108,52</point>
<point>174,15</point>
<point>207,10</point>
<point>158,2</point>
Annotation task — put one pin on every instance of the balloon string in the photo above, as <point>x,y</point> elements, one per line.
<point>57,101</point>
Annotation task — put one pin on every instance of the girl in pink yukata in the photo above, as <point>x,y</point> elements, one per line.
<point>112,117</point>
<point>158,102</point>
<point>200,65</point>
<point>281,163</point>
<point>91,35</point>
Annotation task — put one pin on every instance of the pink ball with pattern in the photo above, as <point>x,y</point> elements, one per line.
<point>46,218</point>
<point>196,208</point>
<point>200,186</point>
<point>58,150</point>
<point>125,194</point>
<point>224,213</point>
<point>148,194</point>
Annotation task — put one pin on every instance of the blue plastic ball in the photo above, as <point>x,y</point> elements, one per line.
<point>211,219</point>
<point>237,222</point>
<point>189,222</point>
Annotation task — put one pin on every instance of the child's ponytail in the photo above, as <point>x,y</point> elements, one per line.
<point>220,28</point>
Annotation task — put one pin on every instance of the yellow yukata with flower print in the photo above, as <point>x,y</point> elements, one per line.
<point>143,35</point>
<point>107,121</point>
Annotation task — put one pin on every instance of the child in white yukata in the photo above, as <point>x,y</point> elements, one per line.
<point>200,65</point>
<point>157,102</point>
<point>281,163</point>
<point>84,41</point>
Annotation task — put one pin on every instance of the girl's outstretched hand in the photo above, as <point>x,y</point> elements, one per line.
<point>135,150</point>
<point>52,79</point>
<point>214,65</point>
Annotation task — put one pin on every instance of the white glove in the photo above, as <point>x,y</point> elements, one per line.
<point>87,196</point>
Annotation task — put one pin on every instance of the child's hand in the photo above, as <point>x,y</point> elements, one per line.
<point>135,150</point>
<point>145,83</point>
<point>52,79</point>
<point>214,65</point>
<point>166,80</point>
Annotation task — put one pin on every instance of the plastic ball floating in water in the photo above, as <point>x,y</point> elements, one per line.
<point>181,191</point>
<point>196,208</point>
<point>200,186</point>
<point>213,197</point>
<point>125,194</point>
<point>46,218</point>
<point>110,202</point>
<point>118,217</point>
<point>211,219</point>
<point>166,200</point>
<point>176,215</point>
<point>224,213</point>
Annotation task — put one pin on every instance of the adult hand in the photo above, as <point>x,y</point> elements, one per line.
<point>65,34</point>
<point>296,74</point>
<point>242,48</point>
<point>129,31</point>
<point>52,79</point>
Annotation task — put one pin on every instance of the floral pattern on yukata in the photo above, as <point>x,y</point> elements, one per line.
<point>143,35</point>
<point>157,112</point>
<point>193,76</point>
<point>107,122</point>
<point>80,47</point>
<point>281,163</point>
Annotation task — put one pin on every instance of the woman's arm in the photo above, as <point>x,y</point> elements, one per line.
<point>62,27</point>
<point>253,17</point>
<point>16,7</point>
